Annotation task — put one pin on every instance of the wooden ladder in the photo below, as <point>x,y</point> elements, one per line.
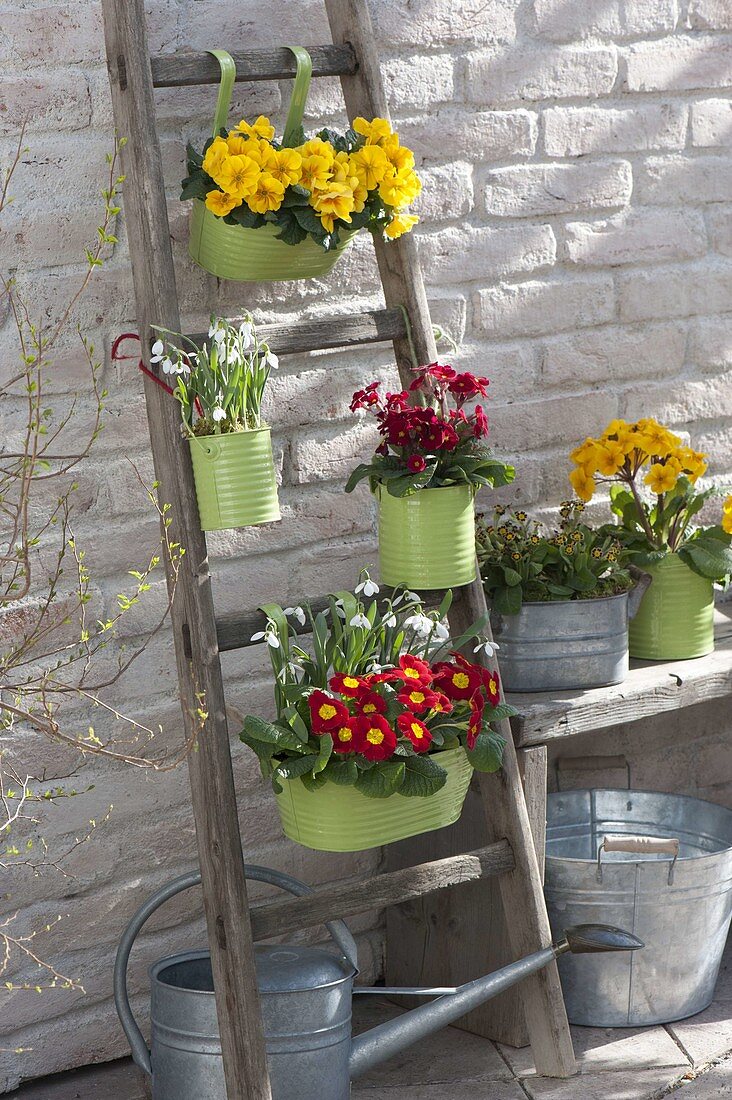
<point>200,637</point>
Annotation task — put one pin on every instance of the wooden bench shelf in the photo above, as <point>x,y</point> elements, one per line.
<point>651,688</point>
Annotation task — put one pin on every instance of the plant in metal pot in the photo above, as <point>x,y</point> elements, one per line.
<point>431,461</point>
<point>558,598</point>
<point>380,721</point>
<point>220,385</point>
<point>653,477</point>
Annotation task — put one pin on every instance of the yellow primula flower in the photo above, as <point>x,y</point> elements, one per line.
<point>268,195</point>
<point>580,454</point>
<point>221,204</point>
<point>658,440</point>
<point>316,147</point>
<point>400,224</point>
<point>314,172</point>
<point>370,165</point>
<point>400,158</point>
<point>662,477</point>
<point>262,128</point>
<point>336,201</point>
<point>239,144</point>
<point>692,462</point>
<point>727,516</point>
<point>285,165</point>
<point>379,129</point>
<point>610,457</point>
<point>582,483</point>
<point>238,176</point>
<point>398,189</point>
<point>216,153</point>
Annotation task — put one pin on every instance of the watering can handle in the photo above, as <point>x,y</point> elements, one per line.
<point>338,930</point>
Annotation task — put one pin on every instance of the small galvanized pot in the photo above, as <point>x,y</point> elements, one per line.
<point>676,616</point>
<point>235,479</point>
<point>555,646</point>
<point>341,819</point>
<point>427,540</point>
<point>255,255</point>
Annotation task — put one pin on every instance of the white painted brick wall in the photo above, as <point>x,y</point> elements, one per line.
<point>576,236</point>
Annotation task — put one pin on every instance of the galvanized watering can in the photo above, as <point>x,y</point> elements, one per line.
<point>305,995</point>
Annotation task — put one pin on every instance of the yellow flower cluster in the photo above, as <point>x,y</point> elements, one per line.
<point>623,449</point>
<point>727,516</point>
<point>247,168</point>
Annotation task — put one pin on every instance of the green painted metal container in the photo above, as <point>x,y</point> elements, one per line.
<point>341,819</point>
<point>255,255</point>
<point>427,540</point>
<point>675,620</point>
<point>235,479</point>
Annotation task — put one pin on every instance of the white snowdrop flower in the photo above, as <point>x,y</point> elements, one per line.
<point>272,640</point>
<point>420,624</point>
<point>367,586</point>
<point>374,667</point>
<point>245,333</point>
<point>360,620</point>
<point>156,355</point>
<point>296,613</point>
<point>218,414</point>
<point>258,637</point>
<point>271,360</point>
<point>389,620</point>
<point>441,632</point>
<point>489,648</point>
<point>168,366</point>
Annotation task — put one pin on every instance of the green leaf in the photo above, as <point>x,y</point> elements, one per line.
<point>326,751</point>
<point>487,753</point>
<point>422,777</point>
<point>361,471</point>
<point>195,186</point>
<point>342,771</point>
<point>507,601</point>
<point>242,215</point>
<point>709,558</point>
<point>258,729</point>
<point>292,769</point>
<point>382,780</point>
<point>291,232</point>
<point>510,576</point>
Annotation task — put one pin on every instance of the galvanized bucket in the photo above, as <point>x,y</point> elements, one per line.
<point>236,485</point>
<point>659,865</point>
<point>427,539</point>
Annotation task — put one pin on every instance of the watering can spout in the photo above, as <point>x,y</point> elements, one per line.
<point>375,1046</point>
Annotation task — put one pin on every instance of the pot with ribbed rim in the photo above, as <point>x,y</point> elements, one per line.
<point>235,479</point>
<point>337,818</point>
<point>675,620</point>
<point>427,539</point>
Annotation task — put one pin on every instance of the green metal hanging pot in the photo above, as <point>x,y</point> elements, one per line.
<point>336,818</point>
<point>675,620</point>
<point>256,255</point>
<point>235,479</point>
<point>427,539</point>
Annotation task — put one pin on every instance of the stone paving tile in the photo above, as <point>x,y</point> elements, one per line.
<point>462,1090</point>
<point>634,1084</point>
<point>115,1081</point>
<point>611,1050</point>
<point>708,1035</point>
<point>715,1082</point>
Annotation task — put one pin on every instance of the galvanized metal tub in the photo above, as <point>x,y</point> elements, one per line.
<point>555,646</point>
<point>680,907</point>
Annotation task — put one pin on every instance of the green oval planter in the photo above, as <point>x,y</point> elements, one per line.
<point>235,479</point>
<point>255,255</point>
<point>427,540</point>
<point>341,819</point>
<point>675,620</point>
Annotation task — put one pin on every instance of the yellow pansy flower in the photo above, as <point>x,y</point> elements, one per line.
<point>268,195</point>
<point>216,153</point>
<point>662,477</point>
<point>335,201</point>
<point>262,128</point>
<point>379,129</point>
<point>285,165</point>
<point>398,189</point>
<point>314,172</point>
<point>582,483</point>
<point>400,224</point>
<point>399,156</point>
<point>727,516</point>
<point>370,164</point>
<point>238,176</point>
<point>220,203</point>
<point>316,147</point>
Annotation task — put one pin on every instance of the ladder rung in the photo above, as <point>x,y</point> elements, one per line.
<point>285,915</point>
<point>177,70</point>
<point>375,327</point>
<point>235,630</point>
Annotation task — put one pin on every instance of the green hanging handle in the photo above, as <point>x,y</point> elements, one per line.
<point>297,100</point>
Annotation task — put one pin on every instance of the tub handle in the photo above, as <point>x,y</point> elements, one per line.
<point>642,845</point>
<point>643,581</point>
<point>338,930</point>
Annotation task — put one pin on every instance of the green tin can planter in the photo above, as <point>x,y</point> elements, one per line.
<point>675,620</point>
<point>235,479</point>
<point>427,540</point>
<point>255,255</point>
<point>341,819</point>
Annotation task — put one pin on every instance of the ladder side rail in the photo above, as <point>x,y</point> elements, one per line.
<point>503,797</point>
<point>182,70</point>
<point>201,687</point>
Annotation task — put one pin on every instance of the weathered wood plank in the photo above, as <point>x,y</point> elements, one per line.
<point>285,915</point>
<point>349,330</point>
<point>200,683</point>
<point>533,768</point>
<point>277,63</point>
<point>651,688</point>
<point>503,800</point>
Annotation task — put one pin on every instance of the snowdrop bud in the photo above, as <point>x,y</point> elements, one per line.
<point>218,415</point>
